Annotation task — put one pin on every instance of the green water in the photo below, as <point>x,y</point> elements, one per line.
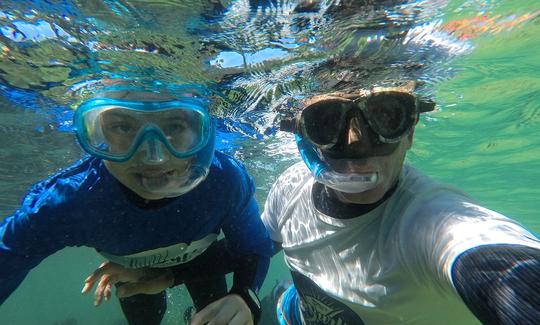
<point>489,142</point>
<point>484,139</point>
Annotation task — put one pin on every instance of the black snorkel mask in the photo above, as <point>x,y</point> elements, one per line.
<point>379,119</point>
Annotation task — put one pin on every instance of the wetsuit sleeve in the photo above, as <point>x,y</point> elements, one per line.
<point>36,230</point>
<point>248,240</point>
<point>245,234</point>
<point>253,259</point>
<point>500,283</point>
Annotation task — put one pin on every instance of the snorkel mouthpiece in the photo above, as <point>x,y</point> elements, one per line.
<point>348,183</point>
<point>172,184</point>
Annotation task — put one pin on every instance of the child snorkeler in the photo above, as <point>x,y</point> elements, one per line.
<point>152,194</point>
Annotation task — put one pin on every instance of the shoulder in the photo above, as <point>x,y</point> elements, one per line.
<point>418,193</point>
<point>428,199</point>
<point>426,204</point>
<point>65,184</point>
<point>228,175</point>
<point>294,177</point>
<point>284,193</point>
<point>225,165</point>
<point>421,184</point>
<point>463,224</point>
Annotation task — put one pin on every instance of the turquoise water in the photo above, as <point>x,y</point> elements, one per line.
<point>484,137</point>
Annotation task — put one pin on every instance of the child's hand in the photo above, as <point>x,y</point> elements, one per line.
<point>230,309</point>
<point>134,281</point>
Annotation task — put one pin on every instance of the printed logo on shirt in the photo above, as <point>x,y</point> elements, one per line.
<point>164,256</point>
<point>317,307</point>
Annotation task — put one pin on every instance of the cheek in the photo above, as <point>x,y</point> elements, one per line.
<point>392,166</point>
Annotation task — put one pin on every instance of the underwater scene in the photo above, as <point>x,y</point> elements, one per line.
<point>252,63</point>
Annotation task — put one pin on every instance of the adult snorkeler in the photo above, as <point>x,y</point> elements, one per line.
<point>153,194</point>
<point>370,240</point>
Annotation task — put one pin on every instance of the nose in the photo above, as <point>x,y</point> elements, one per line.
<point>154,152</point>
<point>355,131</point>
<point>358,138</point>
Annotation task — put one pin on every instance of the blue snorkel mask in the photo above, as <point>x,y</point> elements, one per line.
<point>119,125</point>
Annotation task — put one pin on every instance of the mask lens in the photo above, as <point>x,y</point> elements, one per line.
<point>390,115</point>
<point>118,128</point>
<point>182,128</point>
<point>108,131</point>
<point>115,131</point>
<point>323,122</point>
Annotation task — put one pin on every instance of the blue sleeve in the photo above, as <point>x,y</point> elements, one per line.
<point>500,283</point>
<point>244,231</point>
<point>36,230</point>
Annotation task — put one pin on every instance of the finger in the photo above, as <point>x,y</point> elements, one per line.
<point>233,311</point>
<point>90,281</point>
<point>206,315</point>
<point>241,318</point>
<point>99,291</point>
<point>98,272</point>
<point>87,287</point>
<point>225,315</point>
<point>107,279</point>
<point>107,292</point>
<point>92,278</point>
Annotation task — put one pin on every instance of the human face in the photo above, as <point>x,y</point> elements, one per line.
<point>151,171</point>
<point>389,115</point>
<point>387,167</point>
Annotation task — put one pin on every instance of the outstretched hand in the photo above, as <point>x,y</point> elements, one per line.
<point>229,310</point>
<point>134,281</point>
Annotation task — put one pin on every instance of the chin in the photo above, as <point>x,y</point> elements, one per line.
<point>145,194</point>
<point>152,196</point>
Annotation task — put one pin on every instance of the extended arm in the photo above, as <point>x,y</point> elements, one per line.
<point>26,238</point>
<point>40,227</point>
<point>500,283</point>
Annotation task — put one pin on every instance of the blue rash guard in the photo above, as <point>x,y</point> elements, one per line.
<point>84,205</point>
